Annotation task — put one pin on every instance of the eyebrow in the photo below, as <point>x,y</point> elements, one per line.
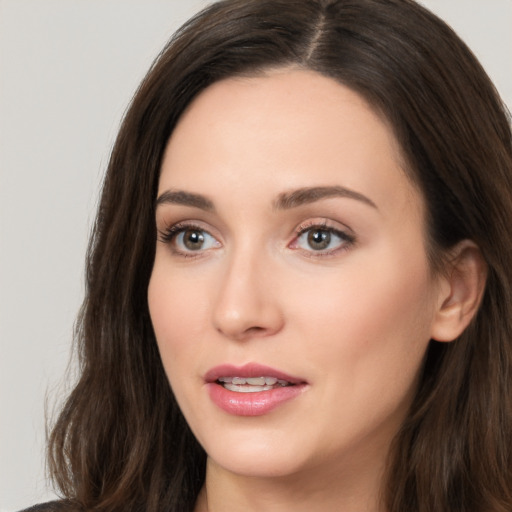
<point>186,199</point>
<point>284,201</point>
<point>295,198</point>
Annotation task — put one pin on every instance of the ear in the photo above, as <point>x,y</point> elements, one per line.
<point>461,289</point>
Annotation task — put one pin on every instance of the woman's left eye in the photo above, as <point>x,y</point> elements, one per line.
<point>322,239</point>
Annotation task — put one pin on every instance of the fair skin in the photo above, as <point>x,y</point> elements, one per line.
<point>330,286</point>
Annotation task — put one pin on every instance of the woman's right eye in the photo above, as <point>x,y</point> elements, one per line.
<point>189,239</point>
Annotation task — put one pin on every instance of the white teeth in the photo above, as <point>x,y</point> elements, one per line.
<point>255,381</point>
<point>247,389</point>
<point>251,384</point>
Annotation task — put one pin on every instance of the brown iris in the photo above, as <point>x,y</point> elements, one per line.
<point>193,239</point>
<point>319,239</point>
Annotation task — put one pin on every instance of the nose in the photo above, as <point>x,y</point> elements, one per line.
<point>247,304</point>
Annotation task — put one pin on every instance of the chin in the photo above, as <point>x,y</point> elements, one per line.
<point>260,466</point>
<point>261,455</point>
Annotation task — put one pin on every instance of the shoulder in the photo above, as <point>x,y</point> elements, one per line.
<point>52,506</point>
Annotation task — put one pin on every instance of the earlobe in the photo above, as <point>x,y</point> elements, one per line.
<point>460,292</point>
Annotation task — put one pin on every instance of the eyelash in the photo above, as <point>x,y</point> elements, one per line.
<point>346,240</point>
<point>169,235</point>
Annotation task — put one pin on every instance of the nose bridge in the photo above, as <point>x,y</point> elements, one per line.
<point>246,303</point>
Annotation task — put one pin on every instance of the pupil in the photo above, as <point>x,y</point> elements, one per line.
<point>193,239</point>
<point>319,239</point>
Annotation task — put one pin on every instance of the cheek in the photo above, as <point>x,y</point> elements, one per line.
<point>375,316</point>
<point>365,340</point>
<point>177,314</point>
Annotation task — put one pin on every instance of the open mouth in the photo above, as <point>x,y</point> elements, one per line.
<point>252,389</point>
<point>252,384</point>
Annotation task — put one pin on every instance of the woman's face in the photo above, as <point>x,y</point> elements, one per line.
<point>291,252</point>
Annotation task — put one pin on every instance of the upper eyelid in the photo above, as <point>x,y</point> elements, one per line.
<point>165,222</point>
<point>325,223</point>
<point>342,233</point>
<point>185,224</point>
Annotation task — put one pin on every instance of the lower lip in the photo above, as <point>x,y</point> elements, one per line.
<point>252,404</point>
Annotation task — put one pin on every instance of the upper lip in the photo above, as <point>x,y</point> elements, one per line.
<point>249,370</point>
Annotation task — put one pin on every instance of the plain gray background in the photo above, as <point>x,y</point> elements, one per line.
<point>68,69</point>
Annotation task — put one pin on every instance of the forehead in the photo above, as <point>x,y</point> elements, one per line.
<point>285,129</point>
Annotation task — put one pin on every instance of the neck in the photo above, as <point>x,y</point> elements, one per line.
<point>353,489</point>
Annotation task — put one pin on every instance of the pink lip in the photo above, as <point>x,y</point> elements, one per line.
<point>251,404</point>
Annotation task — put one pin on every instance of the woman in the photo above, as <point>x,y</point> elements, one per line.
<point>304,230</point>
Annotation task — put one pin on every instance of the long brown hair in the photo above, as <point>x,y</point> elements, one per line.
<point>121,442</point>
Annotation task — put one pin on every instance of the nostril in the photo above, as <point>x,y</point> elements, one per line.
<point>255,329</point>
<point>249,332</point>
